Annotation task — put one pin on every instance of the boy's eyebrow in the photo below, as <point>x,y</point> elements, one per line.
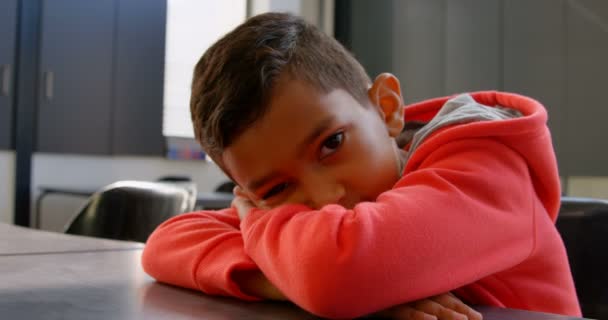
<point>317,131</point>
<point>301,146</point>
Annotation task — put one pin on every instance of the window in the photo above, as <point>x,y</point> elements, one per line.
<point>192,26</point>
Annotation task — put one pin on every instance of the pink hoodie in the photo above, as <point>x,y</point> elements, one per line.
<point>473,213</point>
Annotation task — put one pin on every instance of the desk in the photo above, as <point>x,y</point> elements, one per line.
<point>492,313</point>
<point>111,284</point>
<point>16,240</point>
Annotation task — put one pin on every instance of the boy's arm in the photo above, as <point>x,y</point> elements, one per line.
<point>171,262</point>
<point>465,213</point>
<point>255,283</point>
<point>200,250</point>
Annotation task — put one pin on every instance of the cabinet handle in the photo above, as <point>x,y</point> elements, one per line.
<point>6,80</point>
<point>49,84</point>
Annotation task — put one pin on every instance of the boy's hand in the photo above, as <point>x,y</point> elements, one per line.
<point>253,282</point>
<point>241,203</point>
<point>442,307</point>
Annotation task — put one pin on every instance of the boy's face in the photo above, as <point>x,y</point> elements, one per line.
<point>317,149</point>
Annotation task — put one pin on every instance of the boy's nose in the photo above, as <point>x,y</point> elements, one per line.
<point>322,191</point>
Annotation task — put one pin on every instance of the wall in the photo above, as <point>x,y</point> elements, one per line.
<point>592,187</point>
<point>7,187</point>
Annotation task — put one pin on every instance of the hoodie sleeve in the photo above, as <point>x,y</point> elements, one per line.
<point>466,212</point>
<point>199,250</point>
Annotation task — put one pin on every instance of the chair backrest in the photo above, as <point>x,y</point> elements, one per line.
<point>583,225</point>
<point>131,210</point>
<point>225,187</point>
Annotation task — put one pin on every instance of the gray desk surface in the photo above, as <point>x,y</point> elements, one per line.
<point>111,285</point>
<point>96,279</point>
<point>491,313</point>
<point>18,240</point>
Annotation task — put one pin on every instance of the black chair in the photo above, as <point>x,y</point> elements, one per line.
<point>183,182</point>
<point>583,225</point>
<point>225,187</point>
<point>131,210</point>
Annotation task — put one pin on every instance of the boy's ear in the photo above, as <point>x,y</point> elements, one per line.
<point>385,95</point>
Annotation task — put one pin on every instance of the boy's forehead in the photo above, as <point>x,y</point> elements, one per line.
<point>295,106</point>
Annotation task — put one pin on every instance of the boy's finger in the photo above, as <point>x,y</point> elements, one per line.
<point>242,205</point>
<point>452,302</point>
<point>407,312</point>
<point>434,308</point>
<point>237,191</point>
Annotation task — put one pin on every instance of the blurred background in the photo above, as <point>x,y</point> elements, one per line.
<point>94,92</point>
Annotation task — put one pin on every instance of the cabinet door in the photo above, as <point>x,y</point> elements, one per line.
<point>419,46</point>
<point>586,70</point>
<point>473,36</point>
<point>534,59</point>
<point>8,30</point>
<point>138,86</point>
<point>371,30</point>
<point>76,69</point>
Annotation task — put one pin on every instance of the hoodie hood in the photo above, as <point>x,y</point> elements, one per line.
<point>517,121</point>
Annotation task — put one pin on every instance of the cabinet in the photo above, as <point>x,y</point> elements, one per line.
<point>418,54</point>
<point>101,77</point>
<point>372,32</point>
<point>8,31</point>
<point>534,59</point>
<point>137,119</point>
<point>586,69</point>
<point>75,102</point>
<point>473,46</point>
<point>553,51</point>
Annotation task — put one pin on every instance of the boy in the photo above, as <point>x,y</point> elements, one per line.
<point>333,214</point>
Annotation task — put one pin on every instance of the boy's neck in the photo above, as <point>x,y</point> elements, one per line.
<point>407,134</point>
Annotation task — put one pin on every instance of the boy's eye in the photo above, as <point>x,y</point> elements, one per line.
<point>275,190</point>
<point>332,143</point>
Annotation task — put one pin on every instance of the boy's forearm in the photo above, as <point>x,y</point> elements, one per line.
<point>185,251</point>
<point>255,283</point>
